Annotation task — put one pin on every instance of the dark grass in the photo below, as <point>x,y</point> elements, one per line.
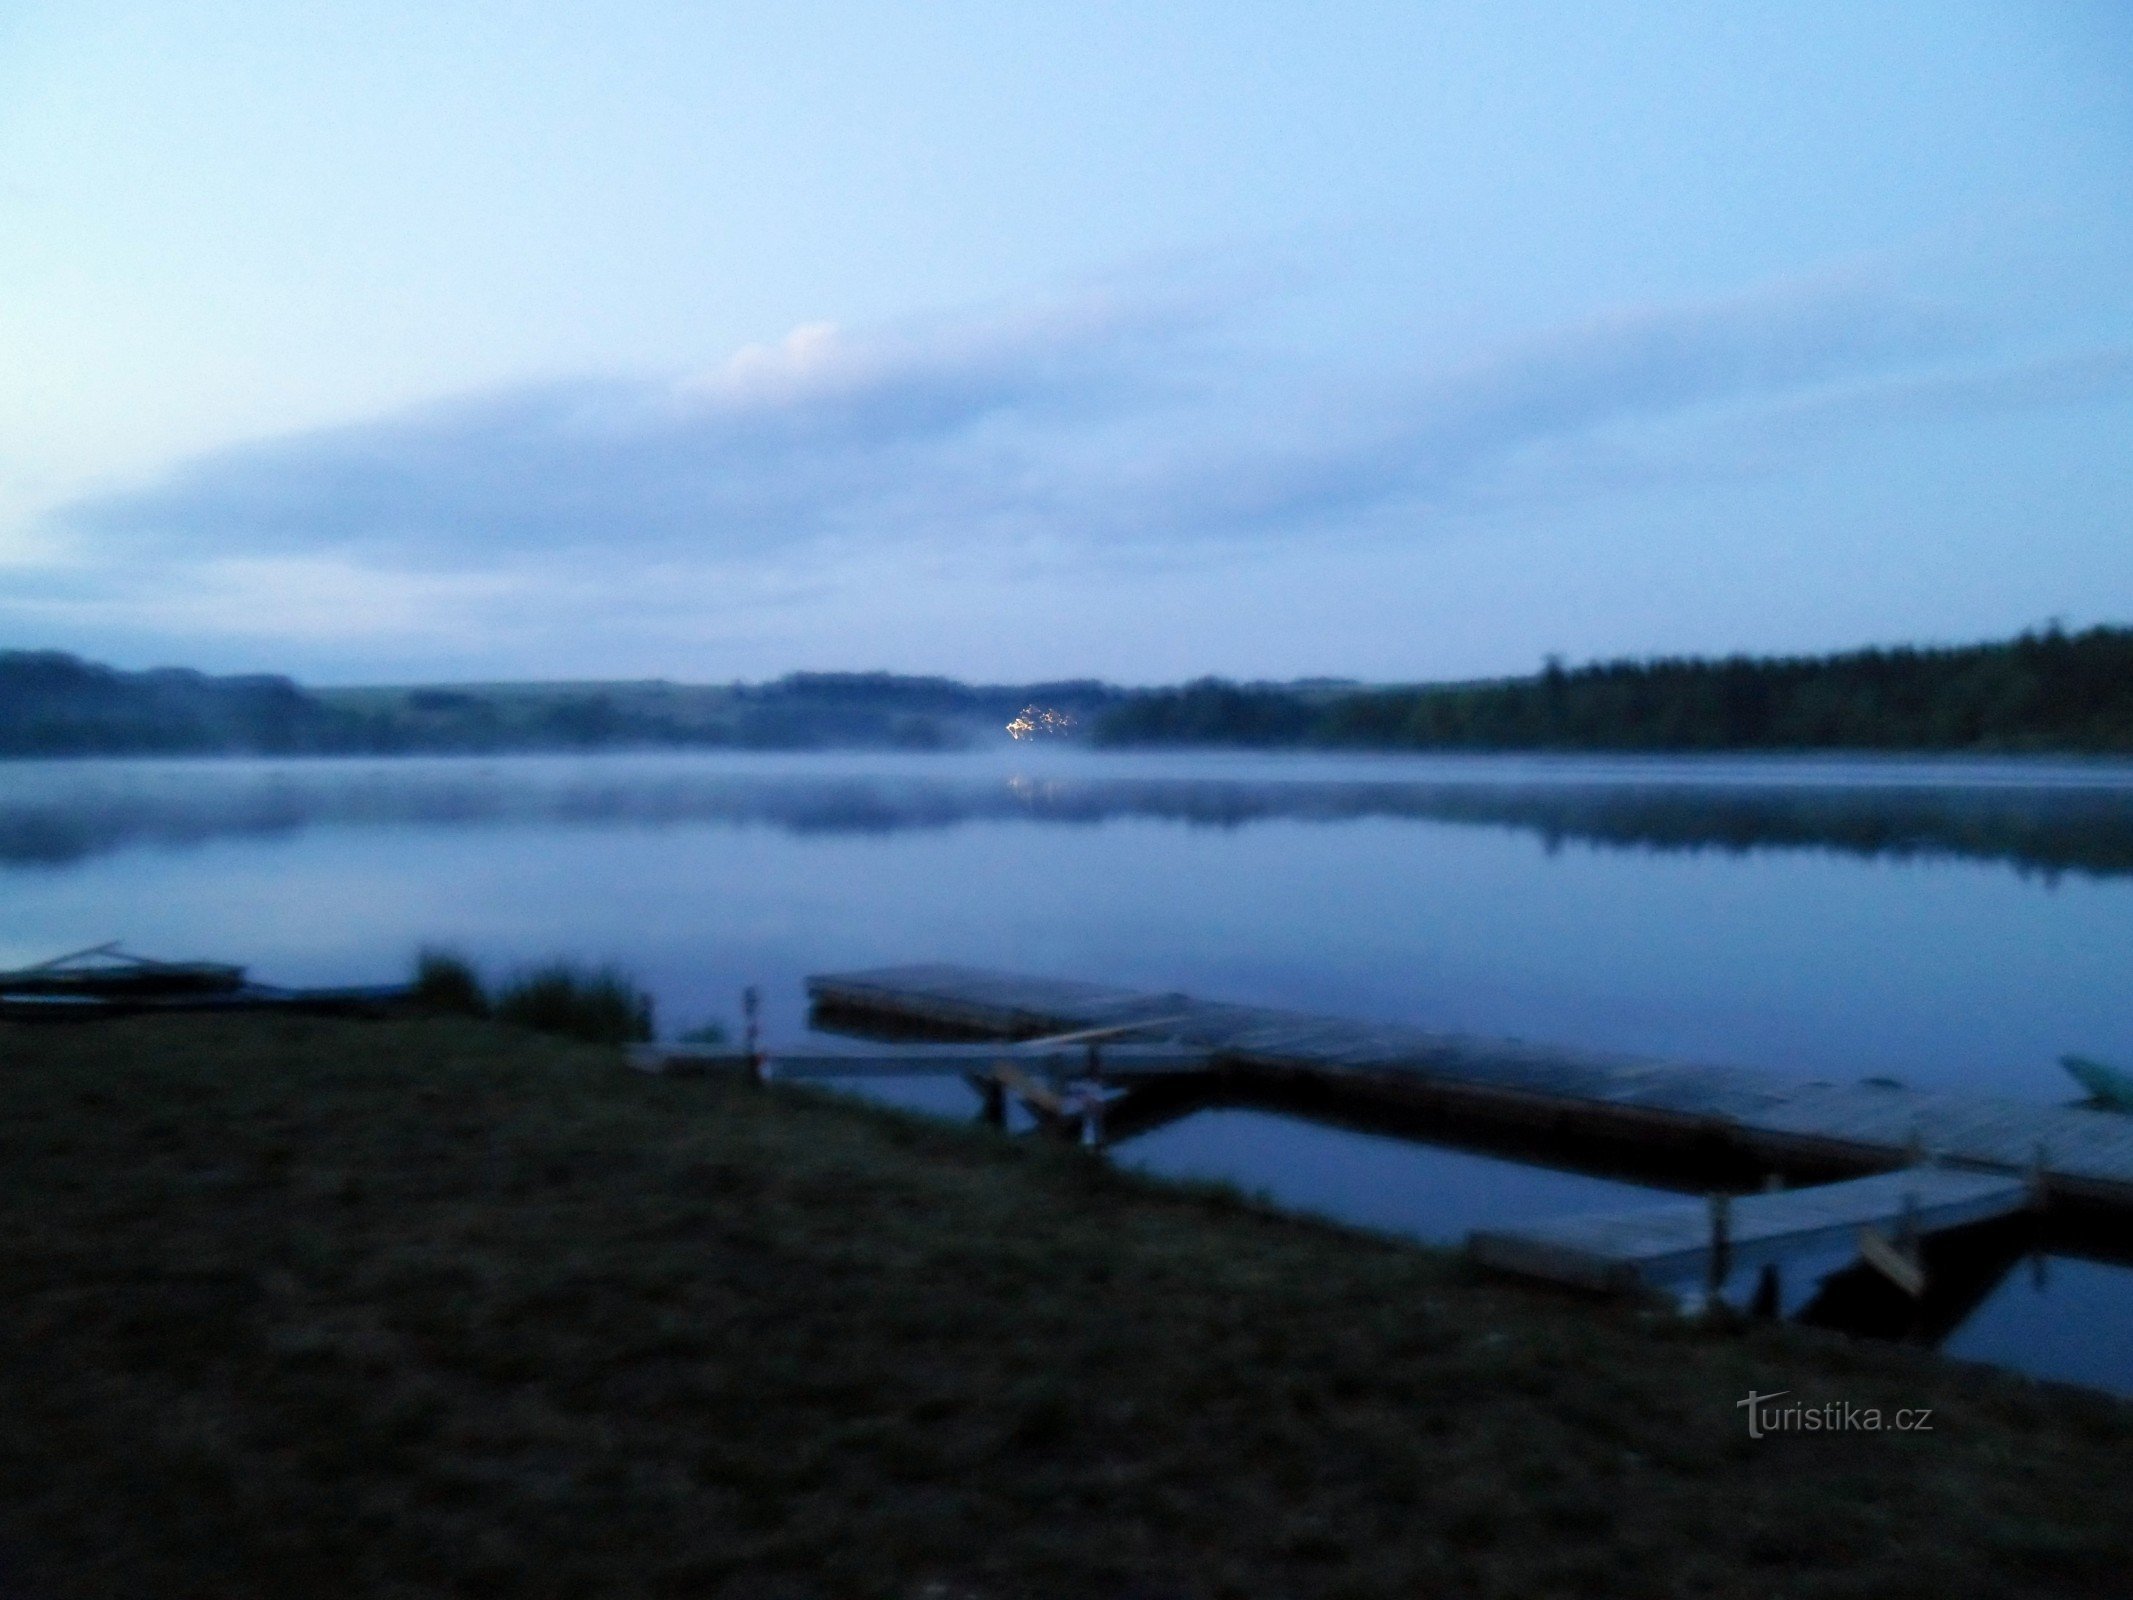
<point>309,1307</point>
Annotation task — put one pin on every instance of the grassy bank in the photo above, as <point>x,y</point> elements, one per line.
<point>312,1307</point>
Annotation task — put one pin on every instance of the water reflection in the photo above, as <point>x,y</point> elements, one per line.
<point>1962,1269</point>
<point>2037,817</point>
<point>1989,1286</point>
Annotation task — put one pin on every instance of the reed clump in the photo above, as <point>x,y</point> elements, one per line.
<point>446,983</point>
<point>598,1005</point>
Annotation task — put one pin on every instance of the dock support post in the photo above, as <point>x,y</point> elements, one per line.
<point>1092,1098</point>
<point>1720,1266</point>
<point>1769,1301</point>
<point>2040,1163</point>
<point>751,1034</point>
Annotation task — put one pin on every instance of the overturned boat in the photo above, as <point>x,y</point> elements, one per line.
<point>106,980</point>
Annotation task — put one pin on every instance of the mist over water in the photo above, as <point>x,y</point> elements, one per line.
<point>2045,817</point>
<point>1948,924</point>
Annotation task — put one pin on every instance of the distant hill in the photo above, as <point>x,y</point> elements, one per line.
<point>2048,691</point>
<point>806,710</point>
<point>53,704</point>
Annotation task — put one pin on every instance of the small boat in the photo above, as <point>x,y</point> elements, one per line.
<point>106,981</point>
<point>104,971</point>
<point>2110,1088</point>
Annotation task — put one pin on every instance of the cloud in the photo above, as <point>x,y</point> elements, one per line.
<point>780,446</point>
<point>2100,376</point>
<point>1103,420</point>
<point>1093,431</point>
<point>1433,436</point>
<point>322,599</point>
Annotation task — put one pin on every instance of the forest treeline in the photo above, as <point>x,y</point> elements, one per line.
<point>2043,691</point>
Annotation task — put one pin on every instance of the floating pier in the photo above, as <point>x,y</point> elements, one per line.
<point>1801,1129</point>
<point>1684,1239</point>
<point>1037,1073</point>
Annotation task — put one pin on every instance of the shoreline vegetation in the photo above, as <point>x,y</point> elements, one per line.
<point>441,1305</point>
<point>2049,692</point>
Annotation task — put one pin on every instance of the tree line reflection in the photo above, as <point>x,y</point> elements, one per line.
<point>53,815</point>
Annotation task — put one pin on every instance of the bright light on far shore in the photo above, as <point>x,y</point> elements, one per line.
<point>1040,722</point>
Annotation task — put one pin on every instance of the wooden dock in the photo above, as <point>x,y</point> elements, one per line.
<point>1664,1243</point>
<point>1118,1063</point>
<point>1812,1128</point>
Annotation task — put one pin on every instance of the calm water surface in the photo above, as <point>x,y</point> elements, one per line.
<point>1954,925</point>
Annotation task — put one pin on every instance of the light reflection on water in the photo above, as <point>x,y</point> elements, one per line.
<point>1951,925</point>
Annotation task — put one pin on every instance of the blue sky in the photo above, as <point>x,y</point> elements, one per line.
<point>1392,341</point>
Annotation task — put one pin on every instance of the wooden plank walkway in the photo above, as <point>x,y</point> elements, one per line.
<point>2082,1154</point>
<point>1118,1063</point>
<point>1668,1242</point>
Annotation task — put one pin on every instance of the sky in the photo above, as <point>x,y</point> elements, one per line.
<point>462,341</point>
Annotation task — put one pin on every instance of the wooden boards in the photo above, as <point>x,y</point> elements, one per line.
<point>1120,1063</point>
<point>1674,1241</point>
<point>2081,1154</point>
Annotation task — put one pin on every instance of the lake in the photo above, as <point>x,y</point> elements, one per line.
<point>1950,924</point>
